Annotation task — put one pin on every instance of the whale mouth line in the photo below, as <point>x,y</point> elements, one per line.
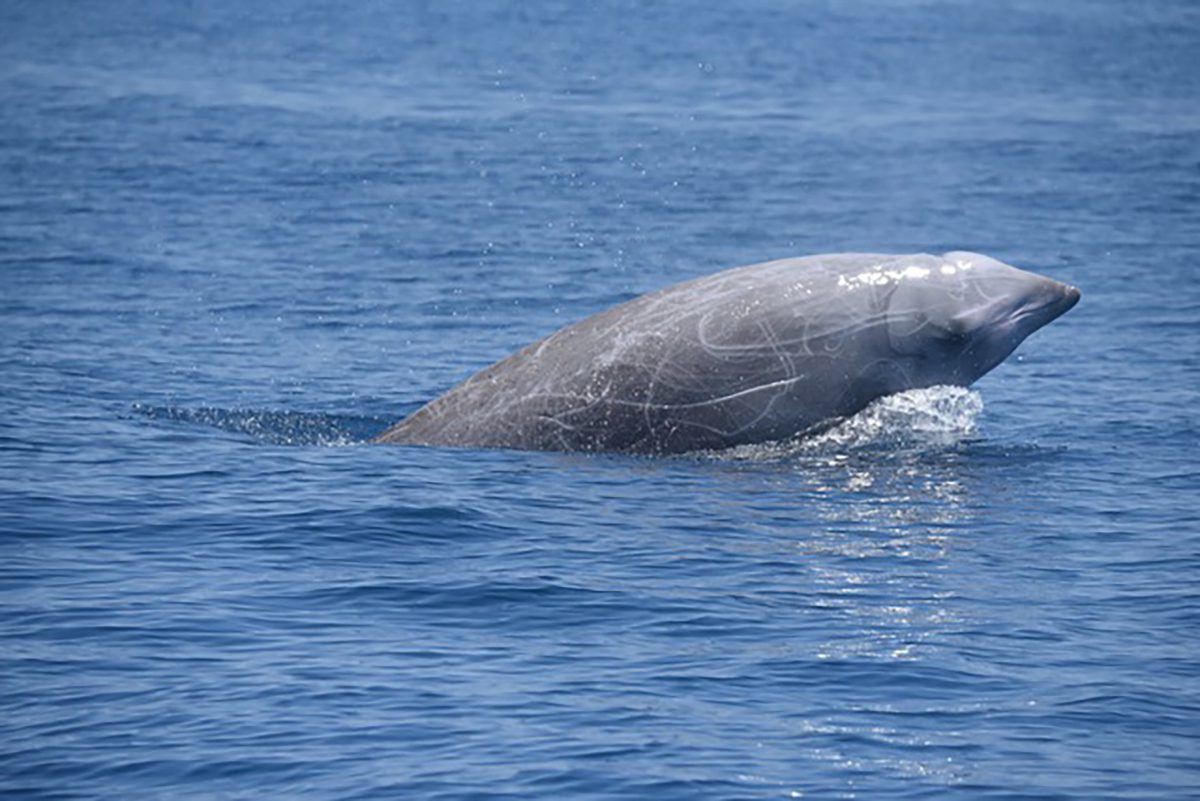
<point>1057,307</point>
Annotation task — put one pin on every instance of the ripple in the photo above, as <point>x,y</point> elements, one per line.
<point>276,427</point>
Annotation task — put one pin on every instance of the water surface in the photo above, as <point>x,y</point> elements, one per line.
<point>237,240</point>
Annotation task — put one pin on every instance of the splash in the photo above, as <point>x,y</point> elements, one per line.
<point>914,420</point>
<point>276,427</point>
<point>935,417</point>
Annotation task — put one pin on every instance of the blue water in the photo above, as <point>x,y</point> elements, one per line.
<point>239,239</point>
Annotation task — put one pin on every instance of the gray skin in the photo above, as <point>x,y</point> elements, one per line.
<point>749,355</point>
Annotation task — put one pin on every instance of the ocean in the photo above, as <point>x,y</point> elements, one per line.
<point>238,240</point>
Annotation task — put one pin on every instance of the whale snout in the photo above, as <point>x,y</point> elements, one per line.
<point>1056,300</point>
<point>1071,296</point>
<point>1017,303</point>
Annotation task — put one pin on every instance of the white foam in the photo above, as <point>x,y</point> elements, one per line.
<point>934,417</point>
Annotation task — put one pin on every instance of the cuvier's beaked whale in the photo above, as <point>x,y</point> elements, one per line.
<point>752,354</point>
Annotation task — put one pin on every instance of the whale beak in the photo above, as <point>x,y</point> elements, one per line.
<point>1047,300</point>
<point>1072,295</point>
<point>1068,296</point>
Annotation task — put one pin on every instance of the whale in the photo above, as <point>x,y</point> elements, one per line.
<point>754,354</point>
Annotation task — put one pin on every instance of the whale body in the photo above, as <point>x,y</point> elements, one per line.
<point>753,354</point>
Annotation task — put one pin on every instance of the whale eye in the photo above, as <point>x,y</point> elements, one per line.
<point>953,331</point>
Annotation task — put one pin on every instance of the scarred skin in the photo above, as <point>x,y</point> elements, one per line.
<point>749,355</point>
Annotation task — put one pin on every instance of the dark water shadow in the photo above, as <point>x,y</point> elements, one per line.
<point>272,427</point>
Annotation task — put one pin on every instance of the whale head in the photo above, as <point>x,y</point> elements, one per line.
<point>951,319</point>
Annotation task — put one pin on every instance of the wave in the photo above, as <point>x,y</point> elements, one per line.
<point>918,419</point>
